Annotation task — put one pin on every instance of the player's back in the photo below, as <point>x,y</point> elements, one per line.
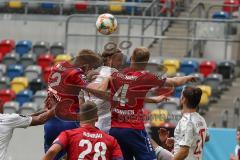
<point>128,90</point>
<point>64,81</point>
<point>88,142</point>
<point>196,125</point>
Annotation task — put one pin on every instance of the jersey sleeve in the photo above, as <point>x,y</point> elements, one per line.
<point>62,140</point>
<point>17,121</point>
<point>155,79</point>
<point>116,151</point>
<point>188,136</point>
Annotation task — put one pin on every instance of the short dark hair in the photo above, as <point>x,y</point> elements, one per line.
<point>193,96</point>
<point>89,57</point>
<point>88,112</point>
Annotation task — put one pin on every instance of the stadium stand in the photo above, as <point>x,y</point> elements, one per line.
<point>7,95</point>
<point>207,67</point>
<point>172,66</point>
<point>11,107</point>
<point>14,70</point>
<point>40,47</point>
<point>4,82</point>
<point>57,48</point>
<point>24,96</point>
<point>32,72</point>
<point>3,69</point>
<point>39,97</point>
<point>11,58</point>
<point>62,57</point>
<point>18,84</point>
<point>23,47</point>
<point>36,84</point>
<point>28,108</point>
<point>6,46</point>
<point>188,66</point>
<point>27,60</point>
<point>45,60</point>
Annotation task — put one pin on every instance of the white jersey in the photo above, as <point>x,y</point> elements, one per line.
<point>191,131</point>
<point>7,124</point>
<point>104,114</point>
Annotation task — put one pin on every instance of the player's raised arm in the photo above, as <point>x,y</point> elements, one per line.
<point>155,99</point>
<point>52,152</point>
<point>178,81</point>
<point>101,91</point>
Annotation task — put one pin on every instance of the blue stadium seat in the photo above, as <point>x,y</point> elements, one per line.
<point>36,85</point>
<point>188,66</point>
<point>4,82</point>
<point>14,70</point>
<point>28,108</point>
<point>178,91</point>
<point>23,47</point>
<point>221,15</point>
<point>24,96</point>
<point>11,58</point>
<point>48,5</point>
<point>11,107</point>
<point>28,59</point>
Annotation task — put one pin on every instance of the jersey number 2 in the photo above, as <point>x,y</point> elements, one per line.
<point>200,142</point>
<point>97,151</point>
<point>120,95</point>
<point>58,78</point>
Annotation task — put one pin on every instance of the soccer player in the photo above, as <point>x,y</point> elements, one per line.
<point>128,90</point>
<point>190,132</point>
<point>8,122</point>
<point>86,142</point>
<point>236,155</point>
<point>63,91</point>
<point>112,61</point>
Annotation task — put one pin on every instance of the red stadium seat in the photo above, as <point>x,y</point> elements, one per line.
<point>81,6</point>
<point>46,73</point>
<point>207,67</point>
<point>45,60</point>
<point>6,46</point>
<point>231,9</point>
<point>7,95</point>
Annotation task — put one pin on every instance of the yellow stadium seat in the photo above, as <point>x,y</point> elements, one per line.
<point>172,66</point>
<point>158,117</point>
<point>15,4</point>
<point>206,93</point>
<point>62,57</point>
<point>19,83</point>
<point>116,8</point>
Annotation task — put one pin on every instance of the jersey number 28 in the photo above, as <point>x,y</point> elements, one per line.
<point>98,154</point>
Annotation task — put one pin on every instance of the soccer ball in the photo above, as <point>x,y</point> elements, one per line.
<point>106,24</point>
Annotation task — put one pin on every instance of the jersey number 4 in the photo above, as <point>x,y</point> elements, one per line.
<point>120,95</point>
<point>98,154</point>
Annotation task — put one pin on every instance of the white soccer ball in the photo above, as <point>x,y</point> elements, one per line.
<point>106,24</point>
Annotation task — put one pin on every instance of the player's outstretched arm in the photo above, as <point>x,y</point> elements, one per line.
<point>52,152</point>
<point>182,153</point>
<point>42,116</point>
<point>155,99</point>
<point>161,153</point>
<point>179,81</point>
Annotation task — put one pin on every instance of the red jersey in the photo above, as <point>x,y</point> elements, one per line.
<point>89,143</point>
<point>128,90</point>
<point>64,83</point>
